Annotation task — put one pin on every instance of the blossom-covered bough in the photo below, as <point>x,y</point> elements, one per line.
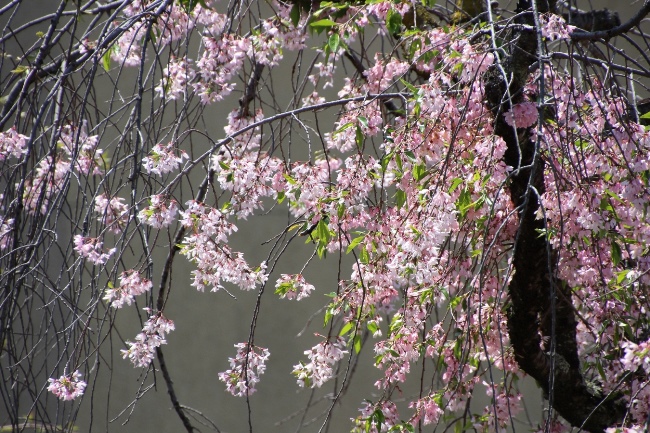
<point>478,177</point>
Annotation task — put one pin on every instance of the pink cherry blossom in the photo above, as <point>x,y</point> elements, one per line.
<point>555,27</point>
<point>322,359</point>
<point>92,249</point>
<point>245,369</point>
<point>160,213</point>
<point>522,115</point>
<point>131,285</point>
<point>293,287</point>
<point>82,149</point>
<point>12,144</point>
<point>113,213</point>
<point>142,351</point>
<point>164,158</point>
<point>67,387</point>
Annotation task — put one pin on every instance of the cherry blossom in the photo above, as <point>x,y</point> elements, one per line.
<point>293,287</point>
<point>131,285</point>
<point>113,213</point>
<point>67,387</point>
<point>322,358</point>
<point>160,213</point>
<point>141,352</point>
<point>12,144</point>
<point>82,149</point>
<point>164,158</point>
<point>245,369</point>
<point>92,249</point>
<point>555,27</point>
<point>522,115</point>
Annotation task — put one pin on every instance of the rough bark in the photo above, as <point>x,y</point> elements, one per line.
<point>541,319</point>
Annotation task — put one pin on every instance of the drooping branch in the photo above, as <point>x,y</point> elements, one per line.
<point>160,304</point>
<point>541,319</point>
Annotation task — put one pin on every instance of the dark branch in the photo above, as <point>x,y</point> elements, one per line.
<point>615,31</point>
<point>541,304</point>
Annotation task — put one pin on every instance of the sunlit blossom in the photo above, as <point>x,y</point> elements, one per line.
<point>67,387</point>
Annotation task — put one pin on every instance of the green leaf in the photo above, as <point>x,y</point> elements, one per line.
<point>289,179</point>
<point>295,14</point>
<point>400,198</point>
<point>106,60</point>
<point>364,257</point>
<point>188,5</point>
<point>357,344</point>
<point>409,86</point>
<point>645,116</point>
<point>346,328</point>
<point>454,184</point>
<point>393,22</point>
<point>340,211</point>
<point>333,42</point>
<point>419,171</point>
<point>344,127</point>
<point>328,316</point>
<point>616,254</point>
<point>464,202</point>
<point>601,371</point>
<point>359,138</point>
<point>620,276</point>
<point>281,196</point>
<point>323,231</point>
<point>323,24</point>
<point>363,121</point>
<point>354,243</point>
<point>20,70</point>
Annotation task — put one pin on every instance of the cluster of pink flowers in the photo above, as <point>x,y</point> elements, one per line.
<point>322,359</point>
<point>555,27</point>
<point>427,410</point>
<point>82,149</point>
<point>45,185</point>
<point>384,74</point>
<point>504,407</point>
<point>636,355</point>
<point>12,144</point>
<point>522,115</point>
<point>376,417</point>
<point>245,369</point>
<point>67,387</point>
<point>131,285</point>
<point>163,159</point>
<point>471,63</point>
<point>222,58</point>
<point>127,51</point>
<point>177,76</point>
<point>215,260</point>
<point>142,351</point>
<point>52,171</point>
<point>427,216</point>
<point>92,249</point>
<point>160,213</point>
<point>293,287</point>
<point>113,213</point>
